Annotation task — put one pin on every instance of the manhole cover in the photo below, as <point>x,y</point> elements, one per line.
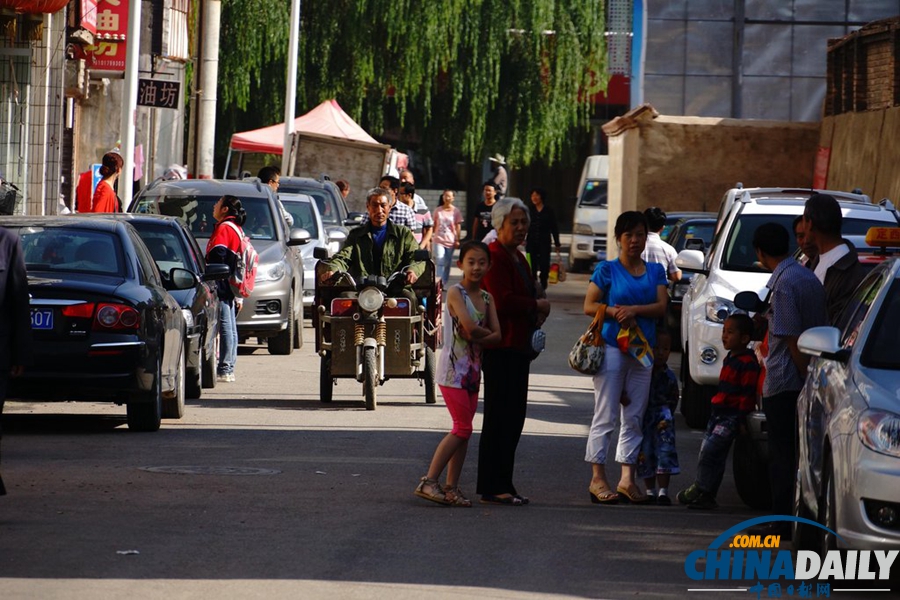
<point>198,470</point>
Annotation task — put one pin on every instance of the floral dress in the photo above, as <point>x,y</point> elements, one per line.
<point>459,365</point>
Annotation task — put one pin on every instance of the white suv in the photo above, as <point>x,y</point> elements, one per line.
<point>730,266</point>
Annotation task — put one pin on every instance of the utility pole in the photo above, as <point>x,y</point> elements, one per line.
<point>129,101</point>
<point>209,79</point>
<point>290,96</point>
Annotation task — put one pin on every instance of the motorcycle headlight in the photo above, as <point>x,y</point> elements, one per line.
<point>582,229</point>
<point>880,431</point>
<point>270,272</point>
<point>370,299</point>
<point>188,317</point>
<point>718,309</point>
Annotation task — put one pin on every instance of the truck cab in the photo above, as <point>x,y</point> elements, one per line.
<point>591,214</point>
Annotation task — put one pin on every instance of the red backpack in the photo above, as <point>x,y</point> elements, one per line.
<point>244,277</point>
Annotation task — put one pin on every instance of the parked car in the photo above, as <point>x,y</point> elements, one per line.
<point>274,311</point>
<point>730,266</point>
<point>674,218</point>
<point>303,209</point>
<point>849,423</point>
<point>105,325</point>
<point>171,245</point>
<point>333,211</point>
<point>696,233</point>
<point>589,220</point>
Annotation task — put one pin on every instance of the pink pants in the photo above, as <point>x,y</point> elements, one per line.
<point>462,405</point>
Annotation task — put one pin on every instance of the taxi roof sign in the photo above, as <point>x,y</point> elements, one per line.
<point>883,236</point>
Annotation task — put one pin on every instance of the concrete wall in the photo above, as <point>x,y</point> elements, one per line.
<point>688,163</point>
<point>864,152</point>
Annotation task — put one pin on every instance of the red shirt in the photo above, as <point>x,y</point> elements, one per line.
<point>105,199</point>
<point>515,302</point>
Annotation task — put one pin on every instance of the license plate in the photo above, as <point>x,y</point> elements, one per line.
<point>41,318</point>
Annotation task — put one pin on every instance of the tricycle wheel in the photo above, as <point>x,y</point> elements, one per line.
<point>430,397</point>
<point>326,381</point>
<point>371,381</point>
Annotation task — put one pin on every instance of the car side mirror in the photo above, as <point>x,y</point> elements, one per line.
<point>320,253</point>
<point>750,302</point>
<point>824,342</point>
<point>215,272</point>
<point>298,237</point>
<point>181,279</point>
<point>353,219</point>
<point>336,235</point>
<point>691,261</point>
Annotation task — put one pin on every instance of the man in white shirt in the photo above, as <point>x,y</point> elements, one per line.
<point>657,250</point>
<point>837,266</point>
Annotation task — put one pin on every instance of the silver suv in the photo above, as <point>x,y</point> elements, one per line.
<point>274,311</point>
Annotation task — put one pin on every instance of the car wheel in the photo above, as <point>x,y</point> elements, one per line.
<point>173,405</point>
<point>370,384</point>
<point>298,334</point>
<point>577,266</point>
<point>283,343</point>
<point>193,384</point>
<point>751,473</point>
<point>430,393</point>
<point>146,416</point>
<point>804,535</point>
<point>827,515</point>
<point>326,381</point>
<point>210,364</point>
<point>695,398</point>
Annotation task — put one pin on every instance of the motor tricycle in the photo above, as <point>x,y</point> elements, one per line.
<point>368,332</point>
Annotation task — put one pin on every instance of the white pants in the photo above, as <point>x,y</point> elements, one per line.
<point>619,372</point>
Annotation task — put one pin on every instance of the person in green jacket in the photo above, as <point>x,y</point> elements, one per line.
<point>379,247</point>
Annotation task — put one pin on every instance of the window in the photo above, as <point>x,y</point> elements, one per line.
<point>880,351</point>
<point>63,249</point>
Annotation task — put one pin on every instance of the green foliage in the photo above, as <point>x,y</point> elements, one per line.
<point>511,76</point>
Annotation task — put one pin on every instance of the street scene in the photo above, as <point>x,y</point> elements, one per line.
<point>472,300</point>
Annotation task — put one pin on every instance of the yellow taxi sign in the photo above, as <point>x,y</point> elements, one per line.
<point>883,236</point>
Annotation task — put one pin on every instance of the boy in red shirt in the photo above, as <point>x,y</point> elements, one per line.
<point>735,399</point>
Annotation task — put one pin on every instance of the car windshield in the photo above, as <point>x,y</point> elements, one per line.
<point>302,212</point>
<point>197,211</point>
<point>60,249</point>
<point>165,246</point>
<point>693,230</point>
<point>326,202</point>
<point>594,194</point>
<point>880,351</point>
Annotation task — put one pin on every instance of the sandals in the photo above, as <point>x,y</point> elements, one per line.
<point>455,497</point>
<point>632,494</point>
<point>602,494</point>
<point>436,493</point>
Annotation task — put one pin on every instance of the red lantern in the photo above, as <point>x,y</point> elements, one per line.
<point>34,6</point>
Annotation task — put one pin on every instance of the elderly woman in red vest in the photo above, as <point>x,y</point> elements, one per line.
<point>521,306</point>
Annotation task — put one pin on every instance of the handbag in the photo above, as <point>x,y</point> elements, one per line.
<point>587,354</point>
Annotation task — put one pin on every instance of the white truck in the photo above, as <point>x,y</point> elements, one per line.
<point>591,215</point>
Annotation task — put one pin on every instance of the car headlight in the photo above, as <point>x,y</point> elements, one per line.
<point>188,317</point>
<point>270,272</point>
<point>718,309</point>
<point>582,229</point>
<point>880,431</point>
<point>370,299</point>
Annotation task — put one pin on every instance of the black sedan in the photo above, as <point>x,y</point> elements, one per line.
<point>104,323</point>
<point>172,245</point>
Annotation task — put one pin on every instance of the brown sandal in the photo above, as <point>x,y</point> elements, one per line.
<point>455,497</point>
<point>603,494</point>
<point>436,494</point>
<point>632,494</point>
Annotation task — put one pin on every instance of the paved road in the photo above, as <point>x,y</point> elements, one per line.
<point>330,512</point>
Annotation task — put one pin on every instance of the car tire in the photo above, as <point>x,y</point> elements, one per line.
<point>827,513</point>
<point>173,405</point>
<point>804,536</point>
<point>193,384</point>
<point>326,381</point>
<point>429,376</point>
<point>210,364</point>
<point>146,416</point>
<point>370,383</point>
<point>578,266</point>
<point>751,473</point>
<point>298,333</point>
<point>695,398</point>
<point>283,343</point>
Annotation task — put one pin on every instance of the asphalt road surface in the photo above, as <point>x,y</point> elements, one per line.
<point>261,491</point>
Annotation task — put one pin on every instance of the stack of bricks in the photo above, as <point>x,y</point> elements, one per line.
<point>864,70</point>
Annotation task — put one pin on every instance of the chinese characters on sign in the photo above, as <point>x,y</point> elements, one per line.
<point>108,51</point>
<point>158,93</point>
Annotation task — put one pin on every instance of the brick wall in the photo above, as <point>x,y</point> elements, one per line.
<point>864,70</point>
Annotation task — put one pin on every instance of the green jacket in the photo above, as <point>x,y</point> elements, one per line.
<point>357,257</point>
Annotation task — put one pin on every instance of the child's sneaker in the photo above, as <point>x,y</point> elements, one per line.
<point>689,495</point>
<point>705,501</point>
<point>663,500</point>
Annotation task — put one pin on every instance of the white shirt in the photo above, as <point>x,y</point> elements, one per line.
<point>658,251</point>
<point>828,259</point>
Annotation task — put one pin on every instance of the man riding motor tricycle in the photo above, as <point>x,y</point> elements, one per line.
<point>378,307</point>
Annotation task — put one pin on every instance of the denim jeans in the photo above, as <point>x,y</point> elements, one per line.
<point>443,260</point>
<point>228,339</point>
<point>720,433</point>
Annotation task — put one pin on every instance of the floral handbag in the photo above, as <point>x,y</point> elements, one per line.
<point>586,355</point>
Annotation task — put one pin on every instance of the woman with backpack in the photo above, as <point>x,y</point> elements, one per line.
<point>224,247</point>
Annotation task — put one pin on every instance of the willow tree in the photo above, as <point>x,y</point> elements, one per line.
<point>514,76</point>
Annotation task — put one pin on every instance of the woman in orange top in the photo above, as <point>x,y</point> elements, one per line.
<point>105,199</point>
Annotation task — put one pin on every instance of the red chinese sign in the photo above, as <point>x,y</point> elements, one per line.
<point>108,51</point>
<point>89,15</point>
<point>883,236</point>
<point>820,173</point>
